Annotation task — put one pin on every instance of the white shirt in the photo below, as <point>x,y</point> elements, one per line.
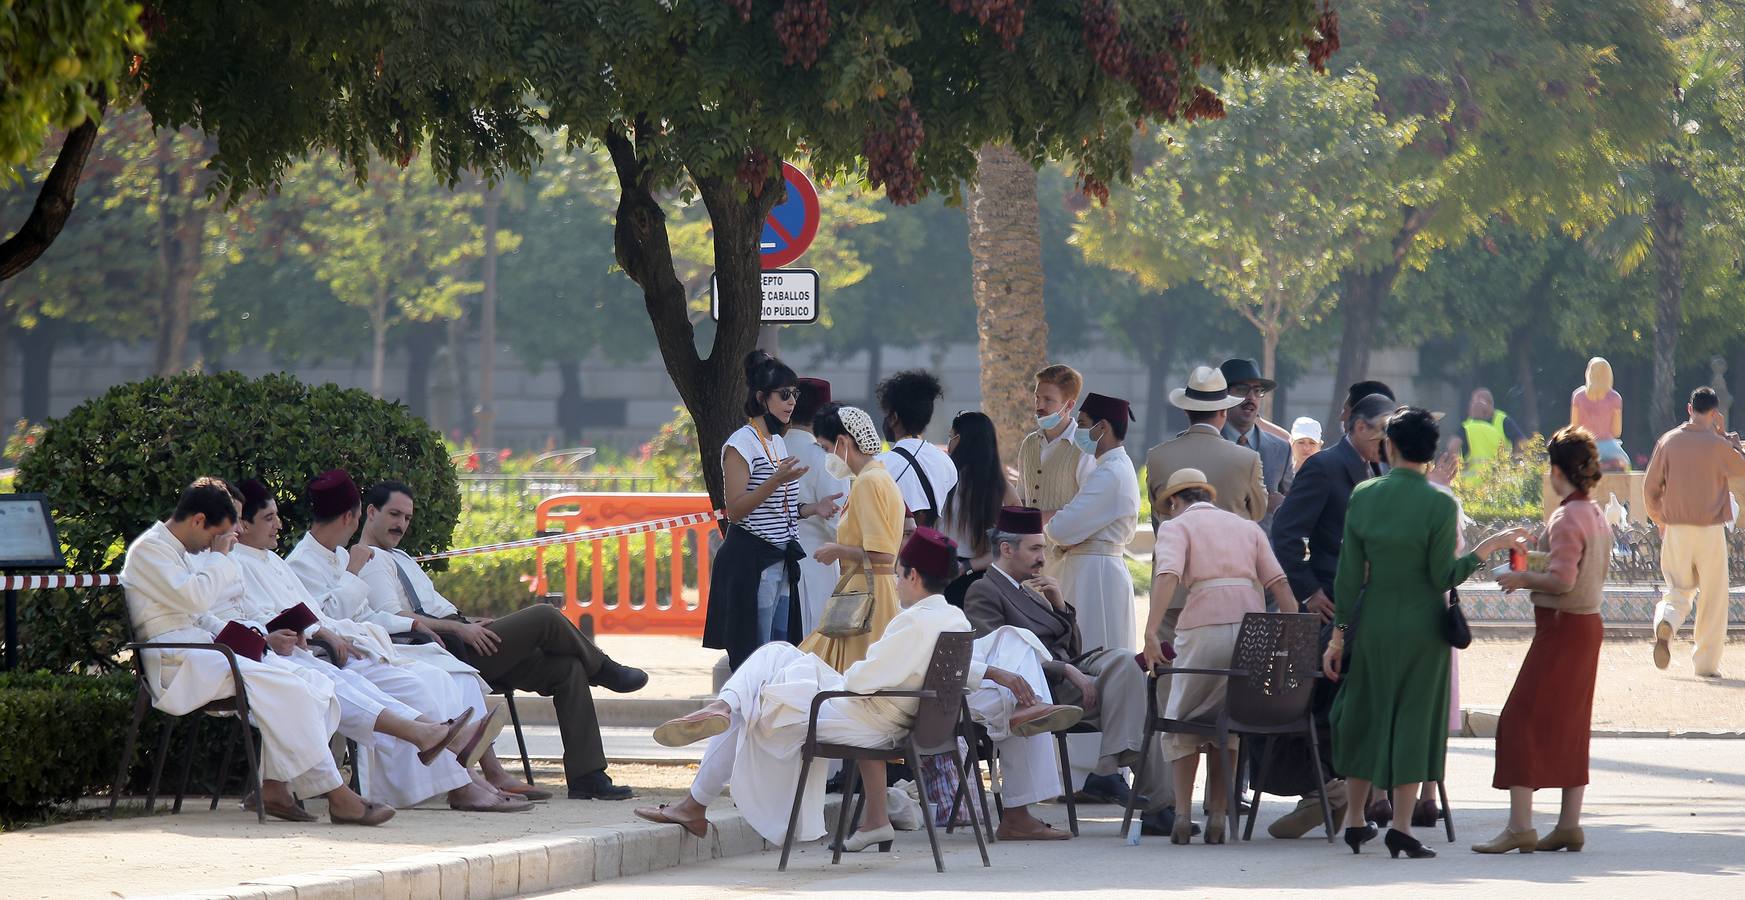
<point>941,472</point>
<point>270,587</point>
<point>388,595</point>
<point>820,481</point>
<point>342,595</point>
<point>169,589</point>
<point>898,661</point>
<point>1106,508</point>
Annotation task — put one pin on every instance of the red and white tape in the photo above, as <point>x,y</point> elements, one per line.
<point>575,536</point>
<point>47,582</point>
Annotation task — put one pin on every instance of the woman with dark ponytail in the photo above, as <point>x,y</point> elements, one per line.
<point>754,586</point>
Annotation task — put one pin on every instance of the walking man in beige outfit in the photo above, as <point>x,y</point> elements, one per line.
<point>1686,494</point>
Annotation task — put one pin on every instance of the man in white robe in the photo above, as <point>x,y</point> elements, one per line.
<point>531,649</point>
<point>758,722</point>
<point>329,573</point>
<point>170,593</point>
<point>375,693</point>
<point>825,482</point>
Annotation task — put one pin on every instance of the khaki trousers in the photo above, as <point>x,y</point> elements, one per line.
<point>1120,716</point>
<point>1694,560</point>
<point>543,652</point>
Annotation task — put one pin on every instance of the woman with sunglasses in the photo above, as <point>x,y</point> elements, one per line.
<point>755,581</point>
<point>974,502</point>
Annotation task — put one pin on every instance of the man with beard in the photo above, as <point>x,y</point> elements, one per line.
<point>1242,427</point>
<point>532,649</point>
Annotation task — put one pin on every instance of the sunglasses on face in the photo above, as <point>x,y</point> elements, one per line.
<point>1253,390</point>
<point>786,393</point>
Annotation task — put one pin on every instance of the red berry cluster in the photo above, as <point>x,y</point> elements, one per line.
<point>753,171</point>
<point>803,27</point>
<point>1102,34</point>
<point>1205,105</point>
<point>1093,187</point>
<point>890,155</point>
<point>1005,18</point>
<point>743,7</point>
<point>1156,76</point>
<point>1323,46</point>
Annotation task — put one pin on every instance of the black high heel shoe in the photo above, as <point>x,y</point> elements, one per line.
<point>1355,838</point>
<point>1397,842</point>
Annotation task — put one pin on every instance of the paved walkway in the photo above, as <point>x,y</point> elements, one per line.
<point>1666,818</point>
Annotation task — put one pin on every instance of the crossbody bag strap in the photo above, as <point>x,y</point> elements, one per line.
<point>926,485</point>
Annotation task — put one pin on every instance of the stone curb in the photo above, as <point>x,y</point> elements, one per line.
<point>1481,722</point>
<point>512,868</point>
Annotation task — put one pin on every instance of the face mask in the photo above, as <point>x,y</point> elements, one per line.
<point>1083,439</point>
<point>1048,422</point>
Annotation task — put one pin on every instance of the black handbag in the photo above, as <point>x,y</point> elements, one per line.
<point>1351,631</point>
<point>1459,633</point>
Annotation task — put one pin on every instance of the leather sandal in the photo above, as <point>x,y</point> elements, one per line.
<point>525,791</point>
<point>1045,833</point>
<point>374,814</point>
<point>501,806</point>
<point>455,726</point>
<point>659,815</point>
<point>480,743</point>
<point>686,730</point>
<point>289,812</point>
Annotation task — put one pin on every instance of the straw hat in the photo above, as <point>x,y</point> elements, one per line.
<point>1207,391</point>
<point>1181,480</point>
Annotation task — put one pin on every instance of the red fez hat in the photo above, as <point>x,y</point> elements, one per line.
<point>1019,520</point>
<point>1107,409</point>
<point>930,553</point>
<point>333,493</point>
<point>254,491</point>
<point>816,390</point>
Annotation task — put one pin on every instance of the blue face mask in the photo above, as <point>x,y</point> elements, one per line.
<point>1082,438</point>
<point>1048,422</point>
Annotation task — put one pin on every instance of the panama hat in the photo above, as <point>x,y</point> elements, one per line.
<point>1207,391</point>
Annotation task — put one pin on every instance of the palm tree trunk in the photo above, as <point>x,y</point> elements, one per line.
<point>1005,244</point>
<point>1668,228</point>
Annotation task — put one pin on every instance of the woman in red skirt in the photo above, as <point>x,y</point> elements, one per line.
<point>1542,736</point>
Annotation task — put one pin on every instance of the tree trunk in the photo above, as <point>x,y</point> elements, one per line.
<point>422,341</point>
<point>1157,369</point>
<point>1005,245</point>
<point>1668,228</point>
<point>875,364</point>
<point>54,200</point>
<point>182,211</point>
<point>460,411</point>
<point>712,386</point>
<point>485,416</point>
<point>38,358</point>
<point>769,337</point>
<point>569,402</point>
<point>378,340</point>
<point>1268,365</point>
<point>1361,296</point>
<point>1521,354</point>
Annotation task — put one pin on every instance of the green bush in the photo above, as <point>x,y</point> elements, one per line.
<point>60,736</point>
<point>1510,489</point>
<point>115,464</point>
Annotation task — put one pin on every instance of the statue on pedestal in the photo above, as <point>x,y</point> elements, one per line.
<point>1599,409</point>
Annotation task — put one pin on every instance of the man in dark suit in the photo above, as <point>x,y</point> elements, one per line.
<point>1105,682</point>
<point>1306,537</point>
<point>1243,429</point>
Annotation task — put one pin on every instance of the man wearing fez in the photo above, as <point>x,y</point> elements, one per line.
<point>532,649</point>
<point>756,725</point>
<point>1104,683</point>
<point>822,485</point>
<point>402,702</point>
<point>329,573</point>
<point>174,575</point>
<point>1242,427</point>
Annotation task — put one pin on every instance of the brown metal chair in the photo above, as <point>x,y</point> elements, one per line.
<point>1271,692</point>
<point>934,732</point>
<point>235,705</point>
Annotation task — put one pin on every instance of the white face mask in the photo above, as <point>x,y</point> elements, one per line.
<point>1048,422</point>
<point>1085,440</point>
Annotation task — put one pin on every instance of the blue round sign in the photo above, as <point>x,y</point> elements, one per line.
<point>792,223</point>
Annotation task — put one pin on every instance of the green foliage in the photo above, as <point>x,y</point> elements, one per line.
<point>60,736</point>
<point>116,464</point>
<point>60,57</point>
<point>1507,490</point>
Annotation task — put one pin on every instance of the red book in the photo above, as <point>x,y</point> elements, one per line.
<point>244,640</point>
<point>297,618</point>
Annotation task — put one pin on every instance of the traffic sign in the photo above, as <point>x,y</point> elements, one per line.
<point>790,227</point>
<point>790,296</point>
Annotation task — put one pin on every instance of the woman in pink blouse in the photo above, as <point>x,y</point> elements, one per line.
<point>1224,561</point>
<point>1600,409</point>
<point>1542,735</point>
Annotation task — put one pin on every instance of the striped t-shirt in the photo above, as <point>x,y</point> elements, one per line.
<point>777,520</point>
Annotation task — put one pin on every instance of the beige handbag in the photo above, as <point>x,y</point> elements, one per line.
<point>849,613</point>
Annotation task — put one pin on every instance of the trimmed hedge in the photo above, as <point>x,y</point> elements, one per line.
<point>116,464</point>
<point>60,736</point>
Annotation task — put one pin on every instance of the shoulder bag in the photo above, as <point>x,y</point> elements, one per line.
<point>849,613</point>
<point>1455,627</point>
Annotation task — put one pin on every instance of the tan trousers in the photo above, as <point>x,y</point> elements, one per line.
<point>1120,716</point>
<point>1694,560</point>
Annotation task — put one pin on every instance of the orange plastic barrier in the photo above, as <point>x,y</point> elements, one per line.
<point>654,614</point>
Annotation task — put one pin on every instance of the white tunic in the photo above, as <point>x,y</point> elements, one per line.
<point>771,696</point>
<point>170,598</point>
<point>817,580</point>
<point>1095,529</point>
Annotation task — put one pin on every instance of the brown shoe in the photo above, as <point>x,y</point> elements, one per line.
<point>1044,718</point>
<point>1571,839</point>
<point>525,791</point>
<point>374,814</point>
<point>289,812</point>
<point>455,726</point>
<point>698,827</point>
<point>686,730</point>
<point>480,742</point>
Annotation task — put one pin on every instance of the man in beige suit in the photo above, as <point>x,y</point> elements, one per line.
<point>1233,470</point>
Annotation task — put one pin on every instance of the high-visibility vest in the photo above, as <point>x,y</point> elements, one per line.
<point>1485,440</point>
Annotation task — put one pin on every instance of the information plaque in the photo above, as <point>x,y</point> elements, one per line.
<point>28,539</point>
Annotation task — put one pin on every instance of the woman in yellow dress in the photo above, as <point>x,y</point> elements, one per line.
<point>870,533</point>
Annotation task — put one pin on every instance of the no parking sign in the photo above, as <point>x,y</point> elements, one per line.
<point>791,224</point>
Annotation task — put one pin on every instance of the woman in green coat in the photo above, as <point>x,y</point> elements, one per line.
<point>1390,719</point>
